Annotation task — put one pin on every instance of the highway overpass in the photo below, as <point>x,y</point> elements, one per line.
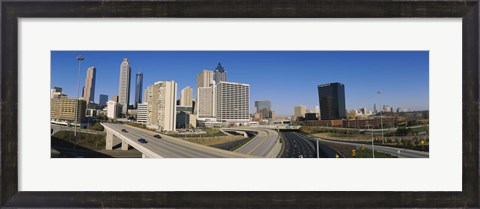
<point>265,144</point>
<point>166,147</point>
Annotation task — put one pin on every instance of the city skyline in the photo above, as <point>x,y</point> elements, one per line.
<point>286,78</point>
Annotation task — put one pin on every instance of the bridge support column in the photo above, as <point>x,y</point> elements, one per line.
<point>124,145</point>
<point>109,141</point>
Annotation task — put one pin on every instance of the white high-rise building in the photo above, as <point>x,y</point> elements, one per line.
<point>161,99</point>
<point>316,110</point>
<point>142,113</point>
<point>114,109</point>
<point>299,111</point>
<point>124,85</point>
<point>206,105</point>
<point>233,102</point>
<point>186,97</point>
<point>205,78</point>
<point>89,89</point>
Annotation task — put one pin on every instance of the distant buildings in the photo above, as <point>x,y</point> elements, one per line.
<point>161,105</point>
<point>103,100</point>
<point>332,101</point>
<point>205,79</point>
<point>138,88</point>
<point>124,85</point>
<point>114,109</point>
<point>232,102</point>
<point>63,108</point>
<point>299,111</point>
<point>89,89</point>
<point>186,96</point>
<point>220,74</point>
<point>56,92</point>
<point>264,108</point>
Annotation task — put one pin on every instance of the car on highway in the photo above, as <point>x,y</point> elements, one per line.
<point>143,141</point>
<point>124,131</point>
<point>157,136</point>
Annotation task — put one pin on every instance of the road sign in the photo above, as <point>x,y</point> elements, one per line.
<point>337,156</point>
<point>353,153</point>
<point>363,147</point>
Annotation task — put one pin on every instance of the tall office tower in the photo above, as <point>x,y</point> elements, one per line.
<point>299,111</point>
<point>103,100</point>
<point>124,86</point>
<point>89,89</point>
<point>220,74</point>
<point>161,100</point>
<point>206,105</point>
<point>331,97</point>
<point>186,97</point>
<point>374,108</point>
<point>264,107</point>
<point>63,108</point>
<point>115,98</point>
<point>233,102</point>
<point>138,89</point>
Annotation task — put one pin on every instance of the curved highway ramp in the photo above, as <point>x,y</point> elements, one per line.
<point>167,146</point>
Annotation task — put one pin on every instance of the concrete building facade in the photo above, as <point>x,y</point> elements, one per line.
<point>64,108</point>
<point>232,102</point>
<point>264,107</point>
<point>206,105</point>
<point>299,111</point>
<point>114,109</point>
<point>124,85</point>
<point>142,113</point>
<point>161,105</point>
<point>186,96</point>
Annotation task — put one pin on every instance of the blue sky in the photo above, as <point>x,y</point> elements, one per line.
<point>286,78</point>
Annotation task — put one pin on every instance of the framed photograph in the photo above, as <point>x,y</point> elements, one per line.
<point>240,104</point>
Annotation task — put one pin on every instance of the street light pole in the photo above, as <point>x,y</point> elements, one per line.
<point>373,145</point>
<point>381,116</point>
<point>80,58</point>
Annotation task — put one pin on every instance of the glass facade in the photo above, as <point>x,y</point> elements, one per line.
<point>332,101</point>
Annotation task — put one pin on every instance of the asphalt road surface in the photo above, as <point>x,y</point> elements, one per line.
<point>404,153</point>
<point>296,145</point>
<point>170,147</point>
<point>261,145</point>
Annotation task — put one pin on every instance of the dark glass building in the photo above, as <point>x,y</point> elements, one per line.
<point>331,97</point>
<point>220,74</point>
<point>103,100</point>
<point>138,88</point>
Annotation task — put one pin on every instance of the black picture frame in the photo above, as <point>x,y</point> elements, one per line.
<point>468,10</point>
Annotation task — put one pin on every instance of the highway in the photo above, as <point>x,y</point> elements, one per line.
<point>295,145</point>
<point>261,145</point>
<point>169,147</point>
<point>404,153</point>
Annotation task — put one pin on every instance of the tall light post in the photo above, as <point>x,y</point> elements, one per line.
<point>80,58</point>
<point>373,145</point>
<point>381,116</point>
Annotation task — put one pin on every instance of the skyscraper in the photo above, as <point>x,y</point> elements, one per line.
<point>138,89</point>
<point>233,102</point>
<point>186,97</point>
<point>331,97</point>
<point>89,89</point>
<point>124,86</point>
<point>161,100</point>
<point>299,111</point>
<point>264,107</point>
<point>220,74</point>
<point>103,100</point>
